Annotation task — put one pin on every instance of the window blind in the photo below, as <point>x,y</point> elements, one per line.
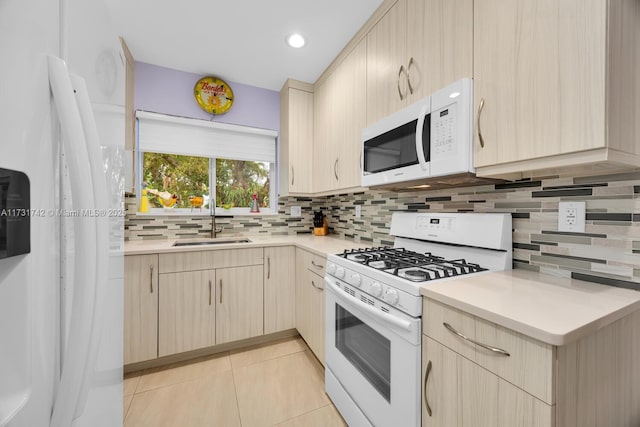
<point>159,133</point>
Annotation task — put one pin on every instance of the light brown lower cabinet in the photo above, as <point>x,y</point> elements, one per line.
<point>310,301</point>
<point>279,289</point>
<point>513,380</point>
<point>140,308</point>
<point>187,311</point>
<point>459,393</point>
<point>239,303</point>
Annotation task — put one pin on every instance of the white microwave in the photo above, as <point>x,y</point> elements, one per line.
<point>431,138</point>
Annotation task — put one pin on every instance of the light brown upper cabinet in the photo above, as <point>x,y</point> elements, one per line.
<point>340,105</point>
<point>296,138</point>
<point>556,85</point>
<point>416,48</point>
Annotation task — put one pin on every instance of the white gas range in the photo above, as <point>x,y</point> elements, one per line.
<point>374,308</point>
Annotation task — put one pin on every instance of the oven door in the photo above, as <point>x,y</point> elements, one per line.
<point>372,360</point>
<point>397,148</point>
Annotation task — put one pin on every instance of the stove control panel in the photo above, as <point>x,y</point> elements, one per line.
<point>377,287</point>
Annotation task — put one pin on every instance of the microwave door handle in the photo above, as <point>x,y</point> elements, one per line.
<point>419,129</point>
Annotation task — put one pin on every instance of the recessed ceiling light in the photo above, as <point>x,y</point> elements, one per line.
<point>295,40</point>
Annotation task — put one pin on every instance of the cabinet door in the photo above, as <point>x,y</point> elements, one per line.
<point>326,131</point>
<point>239,303</point>
<point>439,44</point>
<point>462,394</point>
<point>187,311</point>
<point>300,140</point>
<point>386,52</point>
<point>440,385</point>
<point>279,289</point>
<point>310,306</point>
<point>352,91</point>
<point>539,68</point>
<point>140,308</point>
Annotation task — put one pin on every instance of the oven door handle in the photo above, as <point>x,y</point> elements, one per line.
<point>374,312</point>
<point>419,129</point>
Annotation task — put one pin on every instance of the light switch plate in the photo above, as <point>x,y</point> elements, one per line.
<point>571,216</point>
<point>296,211</point>
<point>358,211</point>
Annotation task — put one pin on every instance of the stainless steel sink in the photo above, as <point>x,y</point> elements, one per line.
<point>211,242</point>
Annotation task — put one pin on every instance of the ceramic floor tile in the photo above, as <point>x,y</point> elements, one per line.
<point>327,416</point>
<point>196,369</point>
<point>130,384</point>
<point>277,390</point>
<point>245,357</point>
<point>127,404</point>
<point>210,401</point>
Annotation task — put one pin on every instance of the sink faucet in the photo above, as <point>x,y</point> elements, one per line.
<point>212,209</point>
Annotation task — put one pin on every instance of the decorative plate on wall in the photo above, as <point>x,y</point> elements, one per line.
<point>213,95</point>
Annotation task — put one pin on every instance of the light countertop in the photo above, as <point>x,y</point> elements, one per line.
<point>320,245</point>
<point>550,309</point>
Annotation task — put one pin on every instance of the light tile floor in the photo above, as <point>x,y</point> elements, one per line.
<point>275,384</point>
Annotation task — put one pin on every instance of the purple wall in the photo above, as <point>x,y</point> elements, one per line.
<point>165,90</point>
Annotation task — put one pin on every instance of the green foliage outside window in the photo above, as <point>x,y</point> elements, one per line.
<point>237,180</point>
<point>184,176</point>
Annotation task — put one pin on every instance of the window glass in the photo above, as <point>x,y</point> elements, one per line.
<point>182,176</point>
<point>238,180</point>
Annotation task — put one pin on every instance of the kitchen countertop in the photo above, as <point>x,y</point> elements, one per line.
<point>320,245</point>
<point>554,310</point>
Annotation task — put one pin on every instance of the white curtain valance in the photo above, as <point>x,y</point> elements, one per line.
<point>159,133</point>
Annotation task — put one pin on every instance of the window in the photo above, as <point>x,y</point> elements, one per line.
<point>188,160</point>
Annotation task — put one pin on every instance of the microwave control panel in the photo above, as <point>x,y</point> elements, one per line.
<point>443,129</point>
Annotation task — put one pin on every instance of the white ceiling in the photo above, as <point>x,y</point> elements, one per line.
<point>243,40</point>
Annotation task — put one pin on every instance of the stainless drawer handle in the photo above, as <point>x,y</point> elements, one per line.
<point>400,72</point>
<point>409,75</point>
<point>151,277</point>
<point>317,265</point>
<point>209,292</point>
<point>318,288</point>
<point>220,291</point>
<point>480,108</point>
<point>426,378</point>
<point>496,350</point>
<point>293,176</point>
<point>268,268</point>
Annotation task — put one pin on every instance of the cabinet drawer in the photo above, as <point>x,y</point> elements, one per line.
<point>206,260</point>
<point>315,263</point>
<point>530,364</point>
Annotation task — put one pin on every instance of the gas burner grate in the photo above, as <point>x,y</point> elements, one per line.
<point>413,266</point>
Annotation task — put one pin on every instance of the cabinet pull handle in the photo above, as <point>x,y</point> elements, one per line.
<point>209,292</point>
<point>496,350</point>
<point>335,169</point>
<point>220,291</point>
<point>317,288</point>
<point>400,71</point>
<point>151,277</point>
<point>268,267</point>
<point>409,75</point>
<point>317,265</point>
<point>426,378</point>
<point>480,107</point>
<point>293,175</point>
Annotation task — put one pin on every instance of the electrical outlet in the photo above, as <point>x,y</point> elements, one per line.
<point>358,211</point>
<point>296,211</point>
<point>571,216</point>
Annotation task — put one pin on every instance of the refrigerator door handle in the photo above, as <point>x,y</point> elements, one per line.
<point>82,310</point>
<point>100,207</point>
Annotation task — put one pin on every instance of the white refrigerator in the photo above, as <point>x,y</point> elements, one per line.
<point>61,304</point>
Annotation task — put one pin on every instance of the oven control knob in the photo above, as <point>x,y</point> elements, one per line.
<point>340,272</point>
<point>356,279</point>
<point>331,268</point>
<point>376,289</point>
<point>391,296</point>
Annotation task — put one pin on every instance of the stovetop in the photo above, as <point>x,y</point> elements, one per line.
<point>410,265</point>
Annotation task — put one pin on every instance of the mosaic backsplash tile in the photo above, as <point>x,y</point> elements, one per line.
<point>608,252</point>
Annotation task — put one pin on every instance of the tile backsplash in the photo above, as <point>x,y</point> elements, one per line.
<point>608,252</point>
